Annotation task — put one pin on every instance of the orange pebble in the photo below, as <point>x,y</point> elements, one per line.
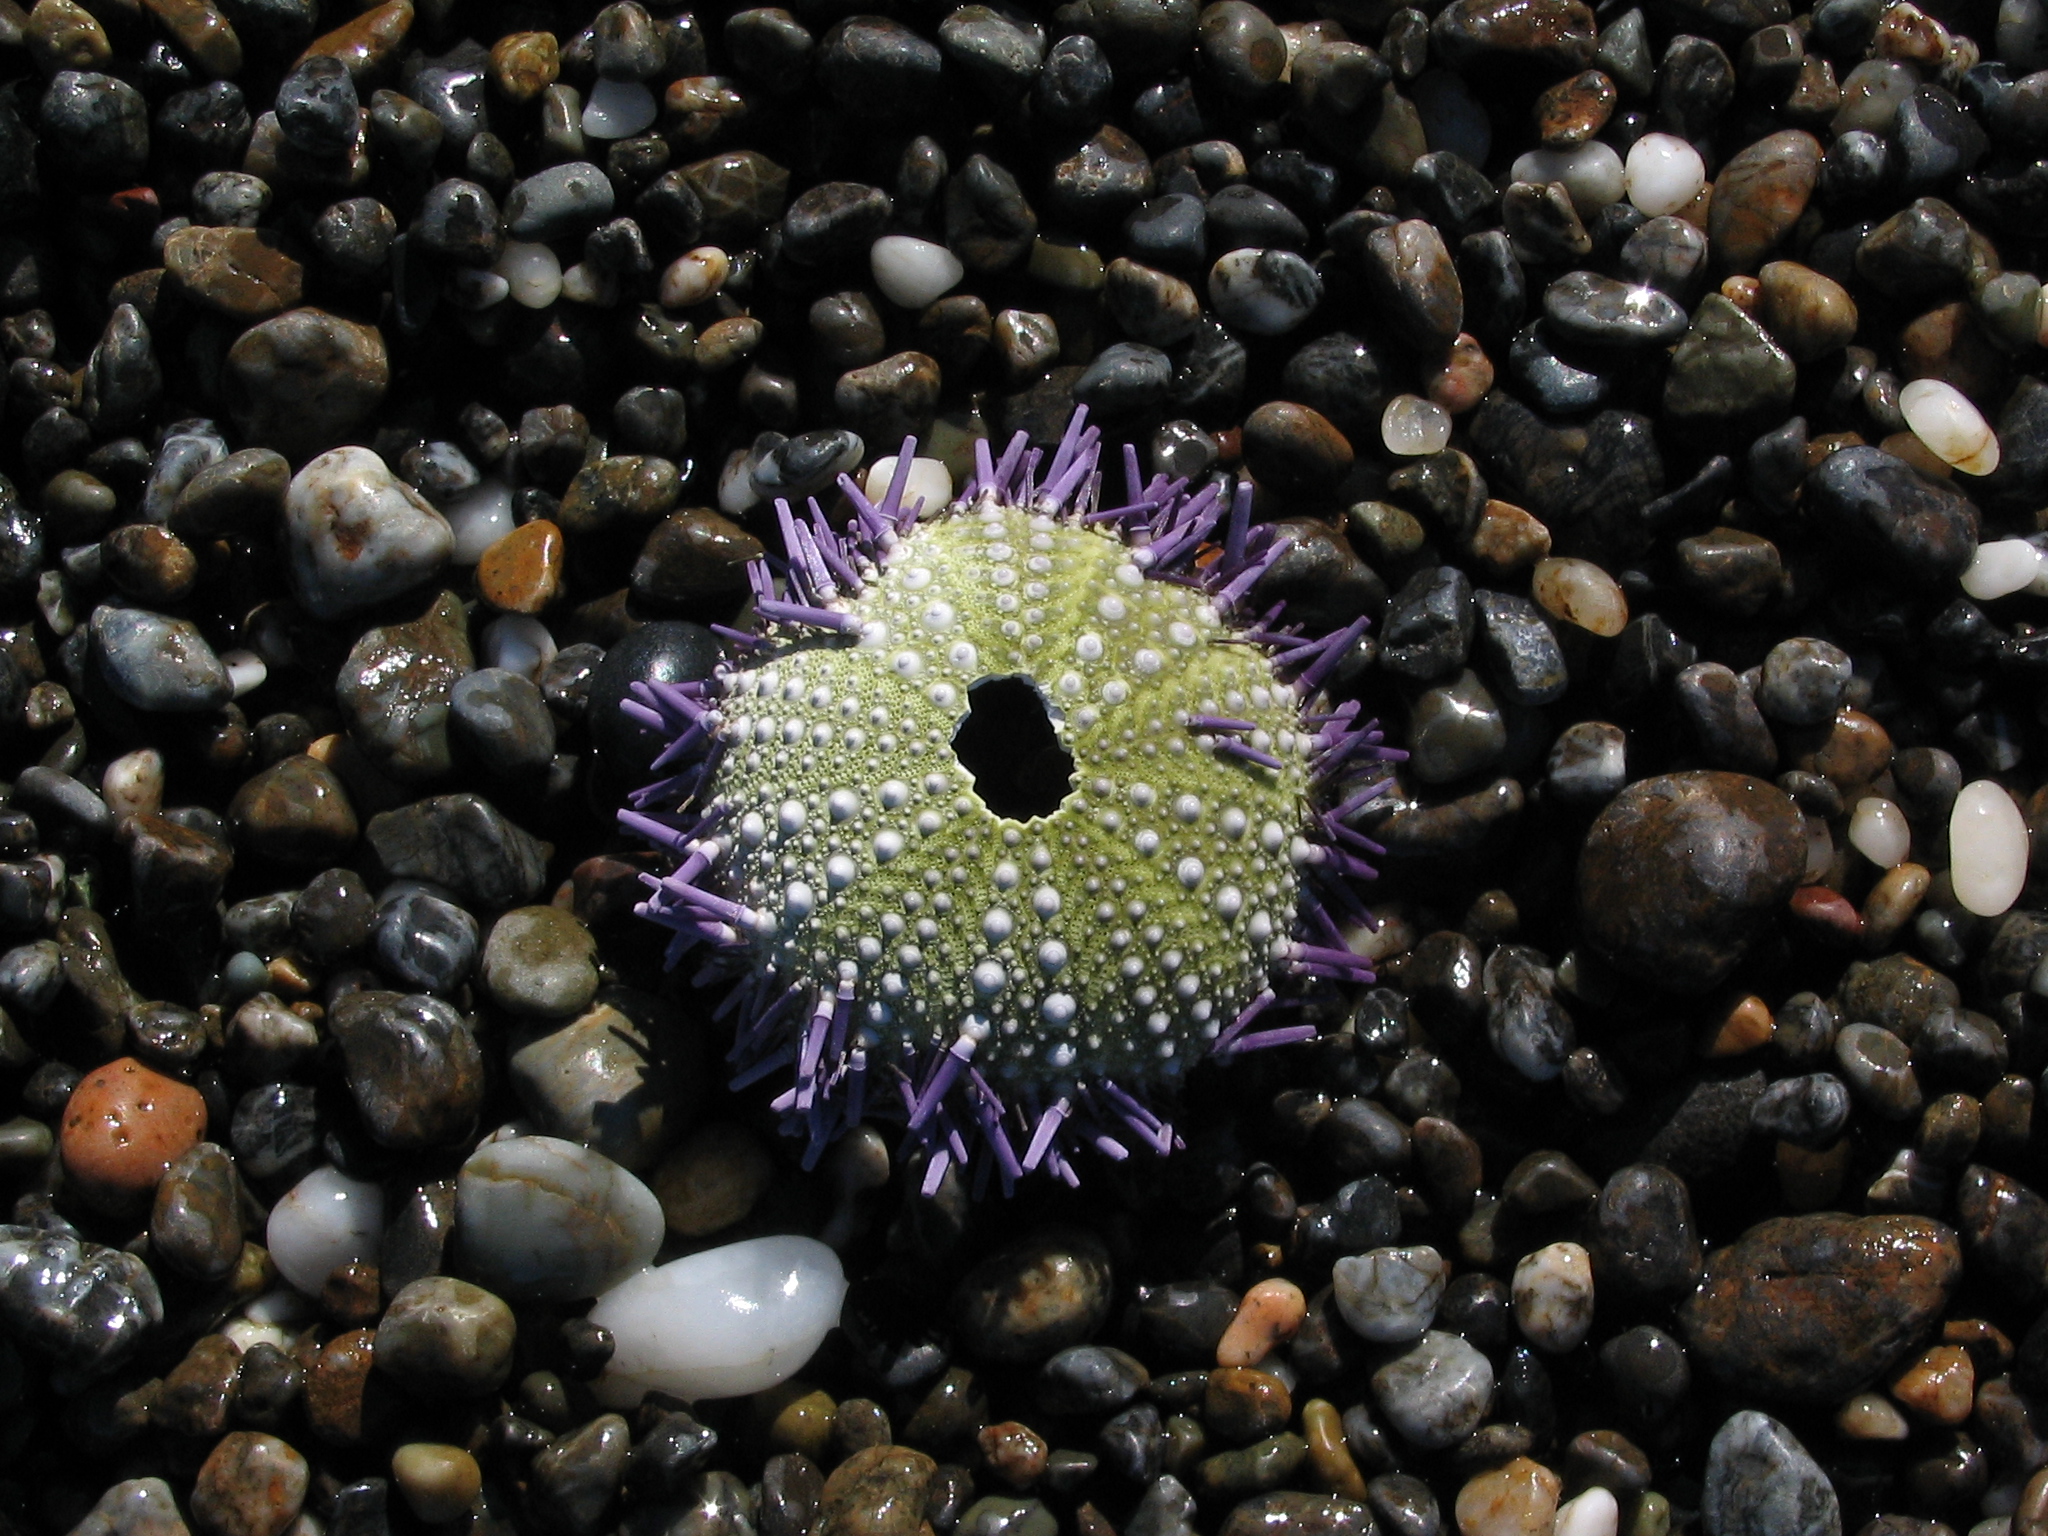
<point>123,1126</point>
<point>522,571</point>
<point>1745,1027</point>
<point>1269,1313</point>
<point>1941,1385</point>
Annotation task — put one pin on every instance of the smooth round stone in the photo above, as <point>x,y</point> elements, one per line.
<point>694,276</point>
<point>437,1482</point>
<point>443,1338</point>
<point>518,643</point>
<point>1518,1499</point>
<point>1595,1512</point>
<point>1943,418</point>
<point>1390,1295</point>
<point>156,664</point>
<point>1879,831</point>
<point>1414,427</point>
<point>2003,567</point>
<point>1592,174</point>
<point>913,272</point>
<point>1987,848</point>
<point>1580,593</point>
<point>722,1323</point>
<point>540,962</point>
<point>1663,174</point>
<point>426,943</point>
<point>123,1127</point>
<point>477,519</point>
<point>532,273</point>
<point>1553,1297</point>
<point>324,1220</point>
<point>505,719</point>
<point>1263,293</point>
<point>929,487</point>
<point>618,109</point>
<point>1435,1392</point>
<point>541,1218</point>
<point>356,534</point>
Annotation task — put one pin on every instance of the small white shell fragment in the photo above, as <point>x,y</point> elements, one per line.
<point>1942,417</point>
<point>246,670</point>
<point>1592,1513</point>
<point>1553,1297</point>
<point>533,273</point>
<point>1879,831</point>
<point>1663,174</point>
<point>1987,848</point>
<point>1592,173</point>
<point>694,277</point>
<point>1414,427</point>
<point>618,109</point>
<point>2002,567</point>
<point>722,1323</point>
<point>479,518</point>
<point>913,272</point>
<point>325,1219</point>
<point>928,483</point>
<point>518,642</point>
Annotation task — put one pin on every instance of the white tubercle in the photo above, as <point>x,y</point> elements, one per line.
<point>618,109</point>
<point>518,642</point>
<point>1592,1513</point>
<point>722,1323</point>
<point>1987,848</point>
<point>1878,830</point>
<point>928,483</point>
<point>913,272</point>
<point>327,1218</point>
<point>479,518</point>
<point>1942,417</point>
<point>1592,173</point>
<point>2002,567</point>
<point>1663,174</point>
<point>1413,427</point>
<point>532,273</point>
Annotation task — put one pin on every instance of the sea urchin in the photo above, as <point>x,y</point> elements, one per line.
<point>1000,818</point>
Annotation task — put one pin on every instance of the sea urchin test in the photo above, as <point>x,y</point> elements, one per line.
<point>1005,819</point>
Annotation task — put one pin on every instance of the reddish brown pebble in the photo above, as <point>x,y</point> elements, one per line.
<point>1826,913</point>
<point>250,1485</point>
<point>1013,1452</point>
<point>1940,1386</point>
<point>123,1127</point>
<point>1465,377</point>
<point>522,572</point>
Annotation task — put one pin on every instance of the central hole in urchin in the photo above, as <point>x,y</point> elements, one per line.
<point>1007,742</point>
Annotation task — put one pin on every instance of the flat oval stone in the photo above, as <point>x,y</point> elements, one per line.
<point>1806,1309</point>
<point>1759,195</point>
<point>1606,312</point>
<point>546,1219</point>
<point>156,664</point>
<point>1988,848</point>
<point>722,1323</point>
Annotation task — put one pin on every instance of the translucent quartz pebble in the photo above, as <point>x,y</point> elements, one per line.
<point>1592,173</point>
<point>1942,417</point>
<point>2002,567</point>
<point>928,483</point>
<point>722,1323</point>
<point>618,109</point>
<point>479,517</point>
<point>543,1218</point>
<point>518,642</point>
<point>532,273</point>
<point>913,272</point>
<point>1878,831</point>
<point>1414,427</point>
<point>327,1218</point>
<point>694,276</point>
<point>1663,174</point>
<point>1580,592</point>
<point>1987,848</point>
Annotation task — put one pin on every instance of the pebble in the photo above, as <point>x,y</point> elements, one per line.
<point>544,1218</point>
<point>1988,848</point>
<point>1390,1295</point>
<point>711,1181</point>
<point>2000,568</point>
<point>1035,1297</point>
<point>438,1482</point>
<point>123,1127</point>
<point>1761,1480</point>
<point>721,1323</point>
<point>85,1307</point>
<point>1943,418</point>
<point>1518,1499</point>
<point>1263,292</point>
<point>251,1484</point>
<point>1436,1391</point>
<point>156,664</point>
<point>195,1221</point>
<point>446,1339</point>
<point>1413,427</point>
<point>355,534</point>
<point>1553,1297</point>
<point>912,272</point>
<point>324,1220</point>
<point>1663,174</point>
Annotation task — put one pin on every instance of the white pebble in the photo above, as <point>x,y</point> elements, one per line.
<point>1878,830</point>
<point>532,273</point>
<point>1663,174</point>
<point>2002,567</point>
<point>325,1219</point>
<point>1942,417</point>
<point>1592,173</point>
<point>618,109</point>
<point>913,272</point>
<point>1987,848</point>
<point>480,517</point>
<point>246,670</point>
<point>694,277</point>
<point>1413,427</point>
<point>1553,1297</point>
<point>520,643</point>
<point>722,1323</point>
<point>133,785</point>
<point>588,284</point>
<point>1592,1513</point>
<point>928,483</point>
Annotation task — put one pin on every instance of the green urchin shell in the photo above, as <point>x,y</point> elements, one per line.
<point>1113,937</point>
